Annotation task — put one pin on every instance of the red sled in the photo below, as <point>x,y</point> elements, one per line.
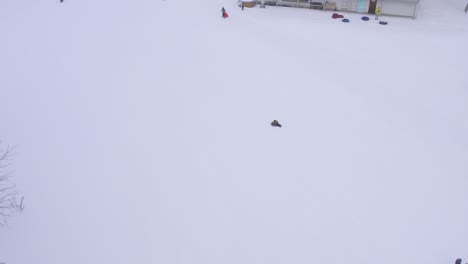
<point>225,15</point>
<point>335,16</point>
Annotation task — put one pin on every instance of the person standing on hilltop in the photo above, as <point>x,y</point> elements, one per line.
<point>377,13</point>
<point>224,14</point>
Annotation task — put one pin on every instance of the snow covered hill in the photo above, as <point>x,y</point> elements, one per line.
<point>143,134</point>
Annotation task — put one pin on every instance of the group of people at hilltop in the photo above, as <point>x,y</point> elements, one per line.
<point>224,14</point>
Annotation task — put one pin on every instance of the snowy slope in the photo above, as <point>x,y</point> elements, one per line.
<point>143,136</point>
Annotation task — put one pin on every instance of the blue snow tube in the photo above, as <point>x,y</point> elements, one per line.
<point>345,20</point>
<point>364,18</point>
<point>383,23</point>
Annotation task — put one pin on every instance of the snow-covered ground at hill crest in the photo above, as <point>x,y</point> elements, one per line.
<point>143,134</point>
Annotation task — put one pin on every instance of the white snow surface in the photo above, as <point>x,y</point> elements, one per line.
<point>142,133</point>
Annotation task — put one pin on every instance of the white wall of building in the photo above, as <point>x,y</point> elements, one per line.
<point>389,7</point>
<point>398,7</point>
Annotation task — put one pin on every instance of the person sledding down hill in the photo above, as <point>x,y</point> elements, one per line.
<point>275,123</point>
<point>223,13</point>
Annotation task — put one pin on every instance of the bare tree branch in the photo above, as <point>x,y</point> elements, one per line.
<point>8,193</point>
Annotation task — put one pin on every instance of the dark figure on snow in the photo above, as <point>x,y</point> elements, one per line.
<point>61,1</point>
<point>275,123</point>
<point>458,261</point>
<point>242,5</point>
<point>223,12</point>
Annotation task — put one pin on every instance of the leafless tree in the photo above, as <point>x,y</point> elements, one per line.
<point>9,202</point>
